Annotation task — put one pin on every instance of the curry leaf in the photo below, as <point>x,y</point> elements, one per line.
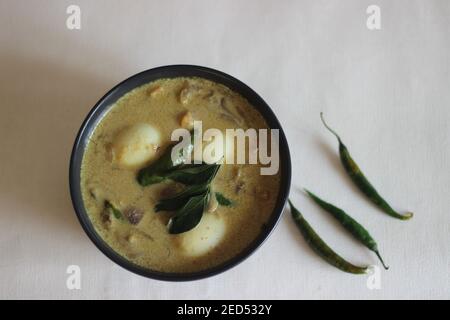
<point>158,170</point>
<point>195,174</point>
<point>110,209</point>
<point>222,200</point>
<point>180,199</point>
<point>191,202</point>
<point>189,216</point>
<point>148,179</point>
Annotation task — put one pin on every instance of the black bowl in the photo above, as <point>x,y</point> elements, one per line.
<point>137,80</point>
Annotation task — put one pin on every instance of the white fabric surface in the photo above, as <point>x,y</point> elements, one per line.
<point>386,92</point>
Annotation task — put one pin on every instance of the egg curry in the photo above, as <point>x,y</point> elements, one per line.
<point>136,217</point>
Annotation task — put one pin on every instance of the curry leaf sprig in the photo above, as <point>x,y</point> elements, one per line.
<point>190,203</point>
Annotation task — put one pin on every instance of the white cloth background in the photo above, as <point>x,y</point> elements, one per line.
<point>386,92</point>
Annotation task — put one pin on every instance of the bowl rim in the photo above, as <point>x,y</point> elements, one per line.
<point>102,107</point>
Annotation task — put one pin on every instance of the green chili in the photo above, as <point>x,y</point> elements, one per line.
<point>361,181</point>
<point>320,247</point>
<point>350,224</point>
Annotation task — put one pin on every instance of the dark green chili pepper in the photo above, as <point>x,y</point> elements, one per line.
<point>352,226</point>
<point>320,247</point>
<point>361,181</point>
